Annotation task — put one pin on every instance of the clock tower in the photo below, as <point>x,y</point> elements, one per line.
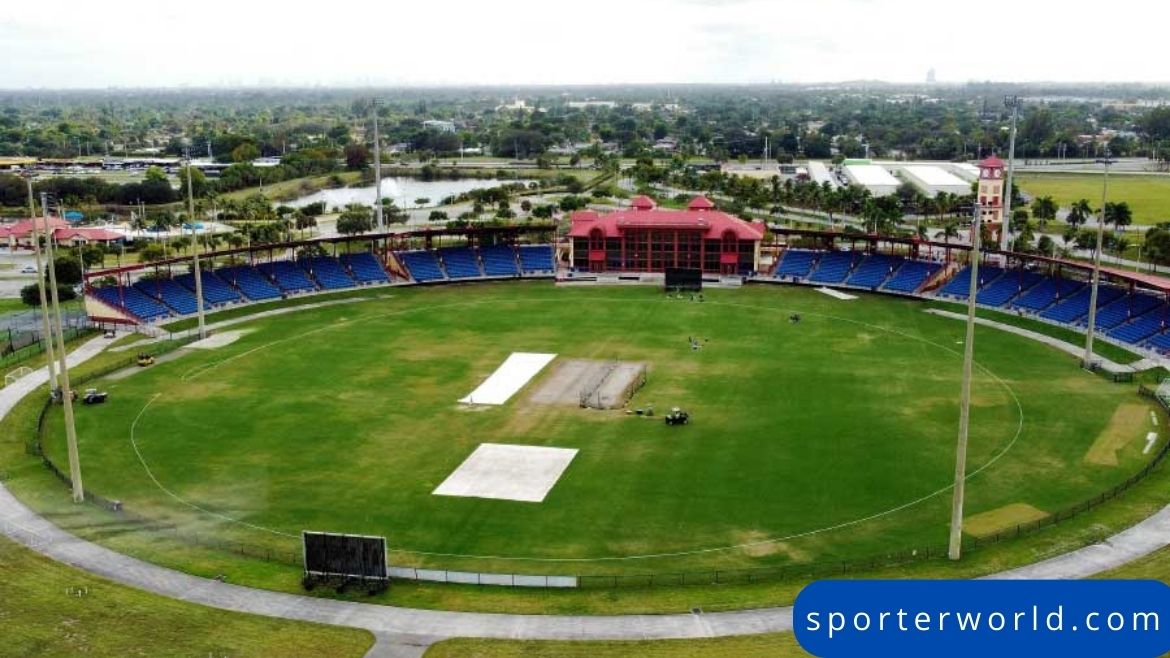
<point>990,195</point>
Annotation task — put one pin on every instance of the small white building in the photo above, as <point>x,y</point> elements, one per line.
<point>439,125</point>
<point>820,174</point>
<point>873,177</point>
<point>933,180</point>
<point>965,170</point>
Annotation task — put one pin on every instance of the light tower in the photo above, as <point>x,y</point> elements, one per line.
<point>989,197</point>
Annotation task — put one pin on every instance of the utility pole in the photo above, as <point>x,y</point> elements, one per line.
<point>377,172</point>
<point>195,246</point>
<point>956,543</point>
<point>46,328</point>
<point>65,391</point>
<point>1087,362</point>
<point>1014,103</point>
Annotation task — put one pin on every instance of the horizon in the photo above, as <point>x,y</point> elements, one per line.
<point>521,43</point>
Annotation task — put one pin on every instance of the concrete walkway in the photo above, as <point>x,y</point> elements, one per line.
<point>1078,351</point>
<point>406,632</point>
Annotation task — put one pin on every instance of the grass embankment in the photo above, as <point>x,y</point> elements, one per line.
<point>779,645</point>
<point>49,609</point>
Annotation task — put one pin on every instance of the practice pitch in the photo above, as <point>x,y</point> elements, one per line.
<point>510,377</point>
<point>508,472</point>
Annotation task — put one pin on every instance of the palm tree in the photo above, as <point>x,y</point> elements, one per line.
<point>1080,212</point>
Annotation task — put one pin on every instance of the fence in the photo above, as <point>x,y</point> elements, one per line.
<point>811,570</point>
<point>17,345</point>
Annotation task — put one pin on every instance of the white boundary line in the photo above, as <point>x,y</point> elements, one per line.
<point>195,372</point>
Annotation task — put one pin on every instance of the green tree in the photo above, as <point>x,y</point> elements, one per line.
<point>1079,213</point>
<point>245,152</point>
<point>1118,214</point>
<point>199,184</point>
<point>355,219</point>
<point>357,157</point>
<point>151,253</point>
<point>31,294</point>
<point>1044,209</point>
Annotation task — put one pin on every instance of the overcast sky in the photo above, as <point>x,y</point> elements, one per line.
<point>140,43</point>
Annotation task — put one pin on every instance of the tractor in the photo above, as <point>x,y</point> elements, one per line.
<point>677,417</point>
<point>93,396</point>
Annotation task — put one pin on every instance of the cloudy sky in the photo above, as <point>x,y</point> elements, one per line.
<point>140,43</point>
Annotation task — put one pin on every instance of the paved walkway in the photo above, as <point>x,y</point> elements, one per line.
<point>1078,351</point>
<point>406,632</point>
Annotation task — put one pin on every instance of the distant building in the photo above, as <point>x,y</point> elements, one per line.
<point>643,239</point>
<point>439,125</point>
<point>930,76</point>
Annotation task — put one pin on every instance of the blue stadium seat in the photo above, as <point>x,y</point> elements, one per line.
<point>796,263</point>
<point>911,276</point>
<point>499,260</point>
<point>536,259</point>
<point>960,285</point>
<point>287,276</point>
<point>1074,307</point>
<point>873,270</point>
<point>215,291</point>
<point>423,265</point>
<point>834,267</point>
<point>1046,293</point>
<point>178,298</point>
<point>365,268</point>
<point>328,272</point>
<point>133,301</point>
<point>1141,327</point>
<point>1007,286</point>
<point>460,262</point>
<point>1124,309</point>
<point>252,283</point>
<point>1161,342</point>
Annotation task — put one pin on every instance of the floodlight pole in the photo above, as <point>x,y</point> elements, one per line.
<point>46,328</point>
<point>377,172</point>
<point>1014,103</point>
<point>65,390</point>
<point>1087,361</point>
<point>956,542</point>
<point>195,246</point>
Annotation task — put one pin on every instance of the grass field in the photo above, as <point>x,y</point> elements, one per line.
<point>1148,196</point>
<point>43,614</point>
<point>832,427</point>
<point>782,645</point>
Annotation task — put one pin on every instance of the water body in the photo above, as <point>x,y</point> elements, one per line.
<point>402,190</point>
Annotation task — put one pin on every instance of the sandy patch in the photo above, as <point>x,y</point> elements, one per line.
<point>1129,423</point>
<point>1003,518</point>
<point>584,382</point>
<point>217,340</point>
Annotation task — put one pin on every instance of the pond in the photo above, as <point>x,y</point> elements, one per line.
<point>404,192</point>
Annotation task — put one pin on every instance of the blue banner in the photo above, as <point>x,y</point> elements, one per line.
<point>995,618</point>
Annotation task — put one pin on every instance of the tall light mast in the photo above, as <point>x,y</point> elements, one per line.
<point>195,246</point>
<point>377,171</point>
<point>956,540</point>
<point>46,327</point>
<point>1087,362</point>
<point>65,390</point>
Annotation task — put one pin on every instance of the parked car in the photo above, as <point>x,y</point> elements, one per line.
<point>28,269</point>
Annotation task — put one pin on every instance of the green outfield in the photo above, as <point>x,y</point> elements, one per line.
<point>827,439</point>
<point>1148,196</point>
